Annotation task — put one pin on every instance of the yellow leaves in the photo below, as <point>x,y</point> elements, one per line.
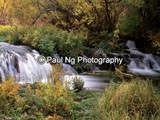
<point>59,91</point>
<point>28,89</point>
<point>38,93</point>
<point>55,90</point>
<point>48,98</point>
<point>55,75</point>
<point>14,91</point>
<point>5,28</point>
<point>18,99</point>
<point>18,10</point>
<point>9,94</point>
<point>58,84</point>
<point>58,73</point>
<point>54,117</point>
<point>82,7</point>
<point>10,89</point>
<point>40,84</point>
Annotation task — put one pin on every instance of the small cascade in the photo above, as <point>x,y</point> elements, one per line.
<point>19,62</point>
<point>142,63</point>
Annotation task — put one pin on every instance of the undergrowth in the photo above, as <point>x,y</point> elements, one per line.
<point>37,101</point>
<point>135,100</point>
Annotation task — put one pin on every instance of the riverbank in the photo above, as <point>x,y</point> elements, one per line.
<point>54,102</point>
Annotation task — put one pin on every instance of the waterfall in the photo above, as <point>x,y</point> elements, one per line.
<point>142,63</point>
<point>19,62</point>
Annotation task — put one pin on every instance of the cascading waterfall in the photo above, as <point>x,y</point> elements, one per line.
<point>19,62</point>
<point>142,63</point>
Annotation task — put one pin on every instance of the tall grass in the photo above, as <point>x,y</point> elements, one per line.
<point>136,100</point>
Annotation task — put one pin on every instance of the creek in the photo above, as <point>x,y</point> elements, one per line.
<point>19,62</point>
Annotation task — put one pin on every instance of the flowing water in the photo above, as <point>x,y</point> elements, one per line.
<point>19,62</point>
<point>142,63</point>
<point>91,82</point>
<point>139,63</point>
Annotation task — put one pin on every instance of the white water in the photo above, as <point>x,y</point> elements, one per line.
<point>91,82</point>
<point>19,62</point>
<point>142,63</point>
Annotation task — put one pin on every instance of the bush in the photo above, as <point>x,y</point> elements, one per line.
<point>107,41</point>
<point>155,37</point>
<point>130,22</point>
<point>69,44</point>
<point>39,38</point>
<point>36,101</point>
<point>9,97</point>
<point>4,31</point>
<point>136,100</point>
<point>47,40</point>
<point>86,109</point>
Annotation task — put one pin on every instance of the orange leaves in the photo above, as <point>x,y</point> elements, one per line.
<point>55,90</point>
<point>59,91</point>
<point>58,98</point>
<point>38,93</point>
<point>9,95</point>
<point>51,100</point>
<point>10,89</point>
<point>55,75</point>
<point>54,117</point>
<point>58,72</point>
<point>40,85</point>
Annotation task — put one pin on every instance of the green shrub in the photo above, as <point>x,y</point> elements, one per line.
<point>36,101</point>
<point>69,44</point>
<point>9,97</point>
<point>129,24</point>
<point>86,109</point>
<point>4,31</point>
<point>106,41</point>
<point>46,39</point>
<point>136,100</point>
<point>155,37</point>
<point>39,38</point>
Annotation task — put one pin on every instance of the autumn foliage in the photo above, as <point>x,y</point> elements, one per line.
<point>48,101</point>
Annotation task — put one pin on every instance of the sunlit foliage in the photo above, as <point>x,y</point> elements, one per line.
<point>14,12</point>
<point>136,100</point>
<point>96,15</point>
<point>36,100</point>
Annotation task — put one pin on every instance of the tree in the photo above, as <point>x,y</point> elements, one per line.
<point>150,12</point>
<point>131,20</point>
<point>5,8</point>
<point>17,11</point>
<point>96,15</point>
<point>139,17</point>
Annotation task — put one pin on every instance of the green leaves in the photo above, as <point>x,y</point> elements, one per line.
<point>46,40</point>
